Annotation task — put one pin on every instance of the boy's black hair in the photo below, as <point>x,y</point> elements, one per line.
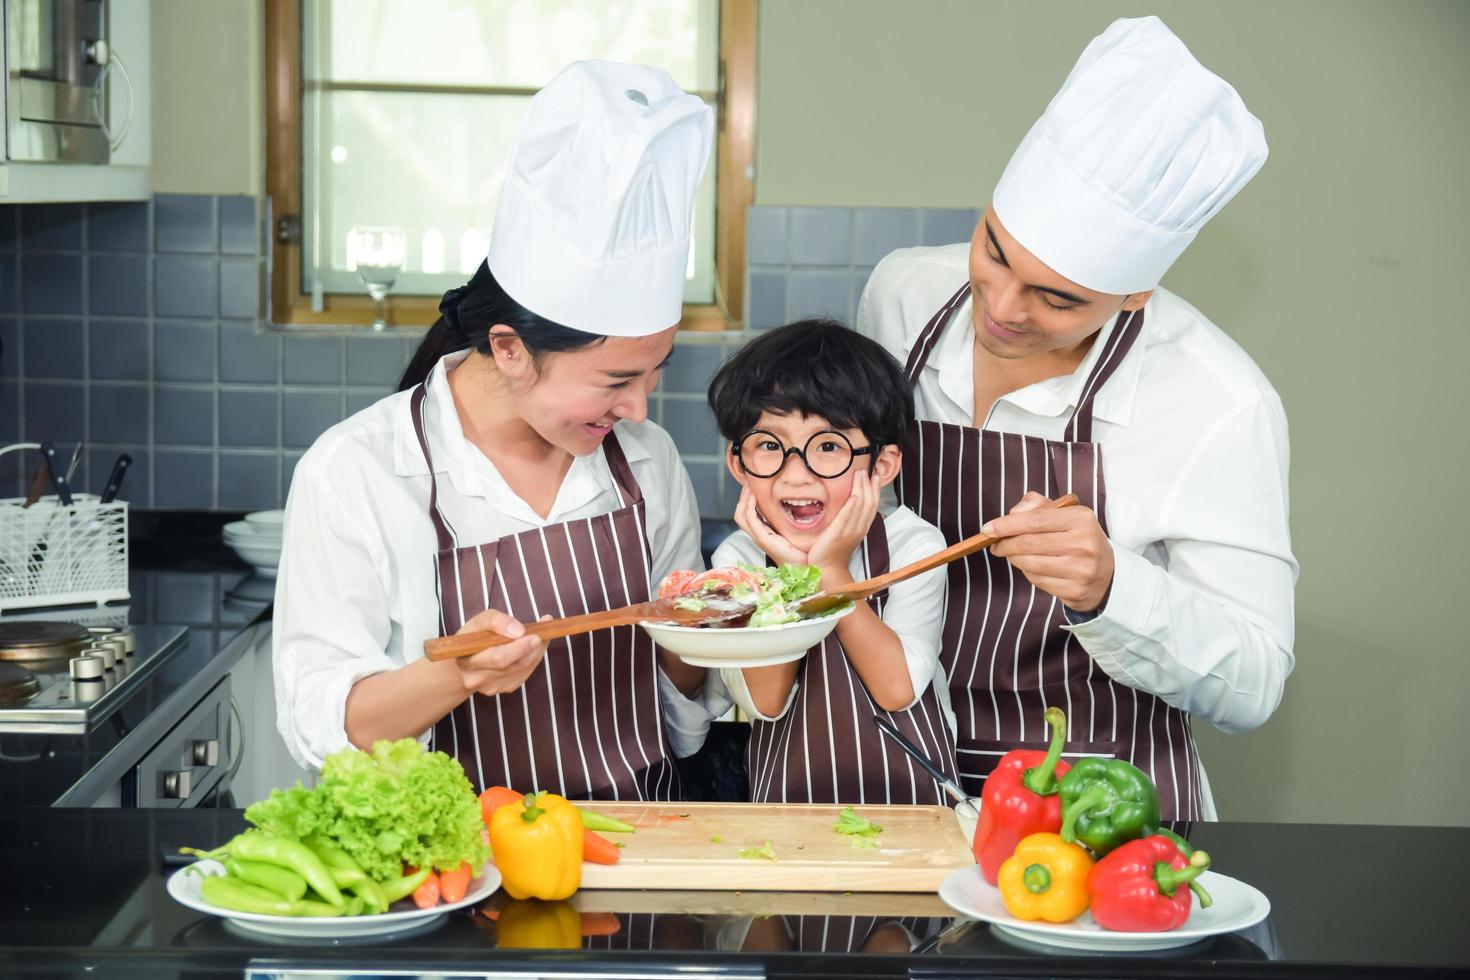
<point>814,367</point>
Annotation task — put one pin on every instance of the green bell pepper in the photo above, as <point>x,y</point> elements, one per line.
<point>1107,803</point>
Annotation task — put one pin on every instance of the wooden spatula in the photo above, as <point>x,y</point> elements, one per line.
<point>717,609</point>
<point>824,601</point>
<point>661,610</point>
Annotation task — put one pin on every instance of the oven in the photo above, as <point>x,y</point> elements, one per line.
<point>100,713</point>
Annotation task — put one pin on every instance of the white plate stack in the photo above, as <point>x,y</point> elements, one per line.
<point>257,540</point>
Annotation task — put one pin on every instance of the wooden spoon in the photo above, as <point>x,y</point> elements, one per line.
<point>717,609</point>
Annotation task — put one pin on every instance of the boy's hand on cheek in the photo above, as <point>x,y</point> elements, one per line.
<point>748,517</point>
<point>833,549</point>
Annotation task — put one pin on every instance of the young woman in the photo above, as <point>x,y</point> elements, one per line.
<point>514,476</point>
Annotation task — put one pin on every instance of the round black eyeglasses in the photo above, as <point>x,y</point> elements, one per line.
<point>827,454</point>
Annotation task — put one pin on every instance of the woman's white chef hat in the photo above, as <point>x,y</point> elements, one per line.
<point>1138,150</point>
<point>592,230</point>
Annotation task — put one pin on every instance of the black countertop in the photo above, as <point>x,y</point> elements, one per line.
<point>85,893</point>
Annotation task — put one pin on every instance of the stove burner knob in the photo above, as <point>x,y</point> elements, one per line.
<point>87,667</point>
<point>206,752</point>
<point>104,652</point>
<point>176,785</point>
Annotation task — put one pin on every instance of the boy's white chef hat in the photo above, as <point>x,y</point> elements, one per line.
<point>1139,148</point>
<point>592,230</point>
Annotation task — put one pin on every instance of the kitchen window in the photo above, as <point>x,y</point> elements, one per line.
<point>400,114</point>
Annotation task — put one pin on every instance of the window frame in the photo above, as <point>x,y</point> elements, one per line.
<point>734,156</point>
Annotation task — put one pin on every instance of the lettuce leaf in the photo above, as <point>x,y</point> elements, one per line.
<point>394,806</point>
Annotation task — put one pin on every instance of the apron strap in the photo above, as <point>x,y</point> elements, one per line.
<point>442,530</point>
<point>622,472</point>
<point>929,336</point>
<point>875,548</point>
<point>1125,331</point>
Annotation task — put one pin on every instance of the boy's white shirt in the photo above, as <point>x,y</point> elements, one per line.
<point>914,610</point>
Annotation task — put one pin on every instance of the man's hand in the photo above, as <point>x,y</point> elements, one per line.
<point>749,518</point>
<point>497,670</point>
<point>1061,550</point>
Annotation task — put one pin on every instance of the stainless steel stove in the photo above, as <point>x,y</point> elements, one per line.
<point>64,678</point>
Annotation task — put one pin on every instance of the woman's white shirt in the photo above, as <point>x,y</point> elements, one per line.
<point>914,609</point>
<point>1195,454</point>
<point>355,594</point>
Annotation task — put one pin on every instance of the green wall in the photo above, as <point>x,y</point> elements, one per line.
<point>1339,268</point>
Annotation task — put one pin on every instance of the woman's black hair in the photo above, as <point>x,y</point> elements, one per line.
<point>466,315</point>
<point>814,367</point>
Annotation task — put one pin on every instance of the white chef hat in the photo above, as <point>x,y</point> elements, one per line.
<point>1138,150</point>
<point>592,230</point>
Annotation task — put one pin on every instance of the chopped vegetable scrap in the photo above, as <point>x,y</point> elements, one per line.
<point>763,853</point>
<point>848,822</point>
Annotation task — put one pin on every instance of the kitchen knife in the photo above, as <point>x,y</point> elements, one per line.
<point>951,787</point>
<point>71,468</point>
<point>114,482</point>
<point>58,475</point>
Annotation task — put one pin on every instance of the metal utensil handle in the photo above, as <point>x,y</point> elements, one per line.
<point>888,728</point>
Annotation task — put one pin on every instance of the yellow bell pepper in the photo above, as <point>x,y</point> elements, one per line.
<point>538,925</point>
<point>538,847</point>
<point>1046,878</point>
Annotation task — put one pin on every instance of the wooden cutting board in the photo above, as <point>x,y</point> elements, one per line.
<point>696,847</point>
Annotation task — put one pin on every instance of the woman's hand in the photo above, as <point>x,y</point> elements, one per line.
<point>749,518</point>
<point>1061,550</point>
<point>499,669</point>
<point>832,551</point>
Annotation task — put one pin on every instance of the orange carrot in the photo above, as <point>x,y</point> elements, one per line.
<point>426,896</point>
<point>496,797</point>
<point>453,884</point>
<point>600,924</point>
<point>599,850</point>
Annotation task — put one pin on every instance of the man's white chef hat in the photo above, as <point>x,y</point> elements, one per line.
<point>1138,150</point>
<point>592,230</point>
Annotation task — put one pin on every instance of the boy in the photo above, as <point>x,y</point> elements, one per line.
<point>839,404</point>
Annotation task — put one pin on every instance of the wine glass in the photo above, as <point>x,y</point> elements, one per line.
<point>379,254</point>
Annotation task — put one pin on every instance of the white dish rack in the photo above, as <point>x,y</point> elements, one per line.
<point>53,555</point>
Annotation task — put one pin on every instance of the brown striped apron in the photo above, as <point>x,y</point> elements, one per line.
<point>826,749</point>
<point>587,723</point>
<point>1004,650</point>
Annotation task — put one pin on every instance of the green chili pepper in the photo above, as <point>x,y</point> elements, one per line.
<point>285,883</point>
<point>321,910</point>
<point>603,824</point>
<point>294,855</point>
<point>241,896</point>
<point>396,888</point>
<point>1107,803</point>
<point>347,873</point>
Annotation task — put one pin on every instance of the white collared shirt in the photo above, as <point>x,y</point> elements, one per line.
<point>1194,455</point>
<point>355,592</point>
<point>914,608</point>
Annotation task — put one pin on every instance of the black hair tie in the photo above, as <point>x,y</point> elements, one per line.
<point>449,308</point>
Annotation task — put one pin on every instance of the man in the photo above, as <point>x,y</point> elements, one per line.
<point>1046,360</point>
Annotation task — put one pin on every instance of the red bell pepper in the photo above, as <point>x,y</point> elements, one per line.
<point>1020,799</point>
<point>1140,886</point>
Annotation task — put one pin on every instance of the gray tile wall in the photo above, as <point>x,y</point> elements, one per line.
<point>138,327</point>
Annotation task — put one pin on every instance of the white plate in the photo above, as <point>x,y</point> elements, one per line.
<point>748,646</point>
<point>1237,906</point>
<point>267,520</point>
<point>264,558</point>
<point>183,886</point>
<point>245,531</point>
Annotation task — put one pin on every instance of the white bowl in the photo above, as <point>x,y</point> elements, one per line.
<point>267,520</point>
<point>263,558</point>
<point>968,814</point>
<point>244,533</point>
<point>749,646</point>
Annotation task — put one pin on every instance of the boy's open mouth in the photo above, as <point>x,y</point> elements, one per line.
<point>804,512</point>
